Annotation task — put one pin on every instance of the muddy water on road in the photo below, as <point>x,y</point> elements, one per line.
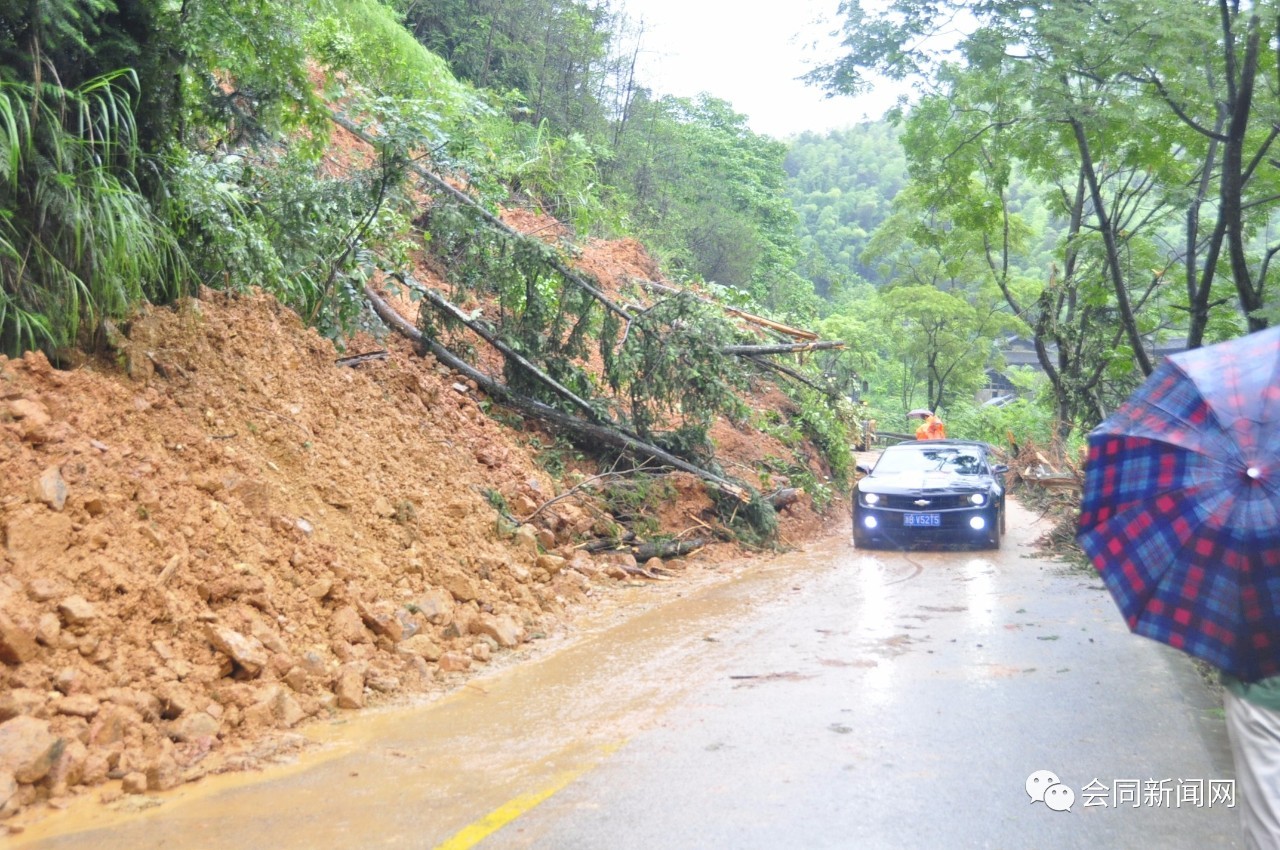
<point>881,632</point>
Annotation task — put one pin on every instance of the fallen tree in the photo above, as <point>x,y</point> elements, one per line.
<point>585,431</point>
<point>470,203</point>
<point>439,302</point>
<point>783,348</point>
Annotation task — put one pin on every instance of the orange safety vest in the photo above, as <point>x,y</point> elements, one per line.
<point>931,429</point>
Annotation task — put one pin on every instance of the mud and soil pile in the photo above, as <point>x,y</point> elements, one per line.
<point>220,535</point>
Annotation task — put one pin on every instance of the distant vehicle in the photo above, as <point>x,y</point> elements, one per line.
<point>931,491</point>
<point>1000,401</point>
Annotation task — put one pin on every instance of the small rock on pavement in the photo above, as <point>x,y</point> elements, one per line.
<point>50,488</point>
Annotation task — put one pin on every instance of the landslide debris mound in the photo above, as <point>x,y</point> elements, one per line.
<point>220,535</point>
<point>233,535</point>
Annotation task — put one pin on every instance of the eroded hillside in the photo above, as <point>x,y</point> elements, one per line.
<point>220,534</point>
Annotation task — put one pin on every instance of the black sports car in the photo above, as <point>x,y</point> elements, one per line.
<point>938,491</point>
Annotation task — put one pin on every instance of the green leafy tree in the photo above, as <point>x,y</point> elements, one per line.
<point>710,195</point>
<point>842,185</point>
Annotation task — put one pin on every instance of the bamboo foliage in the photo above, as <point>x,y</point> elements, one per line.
<point>78,242</point>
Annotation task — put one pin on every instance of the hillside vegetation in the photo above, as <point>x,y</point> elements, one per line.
<point>219,522</point>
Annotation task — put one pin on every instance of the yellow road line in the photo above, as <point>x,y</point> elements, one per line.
<point>472,834</point>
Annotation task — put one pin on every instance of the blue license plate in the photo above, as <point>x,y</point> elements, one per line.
<point>922,520</point>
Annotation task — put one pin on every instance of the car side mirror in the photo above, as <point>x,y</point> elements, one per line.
<point>862,469</point>
<point>1000,469</point>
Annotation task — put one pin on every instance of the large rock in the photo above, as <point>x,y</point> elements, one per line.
<point>349,689</point>
<point>551,563</point>
<point>19,701</point>
<point>17,643</point>
<point>193,726</point>
<point>436,604</point>
<point>163,773</point>
<point>33,419</point>
<point>247,652</point>
<point>27,748</point>
<point>77,705</point>
<point>585,564</point>
<point>502,629</point>
<point>68,768</point>
<point>461,586</point>
<point>143,702</point>
<point>274,706</point>
<point>526,540</point>
<point>381,619</point>
<point>454,662</point>
<point>112,725</point>
<point>50,488</point>
<point>421,646</point>
<point>77,611</point>
<point>347,625</point>
<point>176,700</point>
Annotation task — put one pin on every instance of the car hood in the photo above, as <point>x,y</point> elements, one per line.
<point>920,482</point>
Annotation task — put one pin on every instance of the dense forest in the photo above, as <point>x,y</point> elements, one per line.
<point>1095,179</point>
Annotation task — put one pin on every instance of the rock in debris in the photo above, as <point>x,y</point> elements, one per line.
<point>551,563</point>
<point>421,646</point>
<point>50,488</point>
<point>454,662</point>
<point>247,652</point>
<point>27,748</point>
<point>8,795</point>
<point>77,611</point>
<point>17,643</point>
<point>349,688</point>
<point>506,631</point>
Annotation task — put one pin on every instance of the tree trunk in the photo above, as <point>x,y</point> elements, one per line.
<point>782,348</point>
<point>1112,250</point>
<point>585,431</point>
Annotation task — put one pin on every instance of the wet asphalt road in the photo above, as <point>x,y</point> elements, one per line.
<point>832,698</point>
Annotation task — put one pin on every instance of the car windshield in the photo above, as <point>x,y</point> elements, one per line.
<point>958,461</point>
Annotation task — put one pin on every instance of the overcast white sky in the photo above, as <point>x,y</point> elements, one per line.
<point>749,54</point>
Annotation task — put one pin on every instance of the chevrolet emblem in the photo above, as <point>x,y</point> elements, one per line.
<point>920,503</point>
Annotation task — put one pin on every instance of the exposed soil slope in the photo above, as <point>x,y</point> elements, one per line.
<point>222,534</point>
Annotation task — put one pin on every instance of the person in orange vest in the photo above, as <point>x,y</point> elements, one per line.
<point>931,427</point>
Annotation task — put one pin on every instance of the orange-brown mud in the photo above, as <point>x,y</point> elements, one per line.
<point>219,535</point>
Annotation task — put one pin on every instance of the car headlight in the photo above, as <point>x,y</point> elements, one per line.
<point>978,499</point>
<point>870,499</point>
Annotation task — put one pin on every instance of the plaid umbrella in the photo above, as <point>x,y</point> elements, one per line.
<point>1181,505</point>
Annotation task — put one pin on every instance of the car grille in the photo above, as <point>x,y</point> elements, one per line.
<point>936,503</point>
